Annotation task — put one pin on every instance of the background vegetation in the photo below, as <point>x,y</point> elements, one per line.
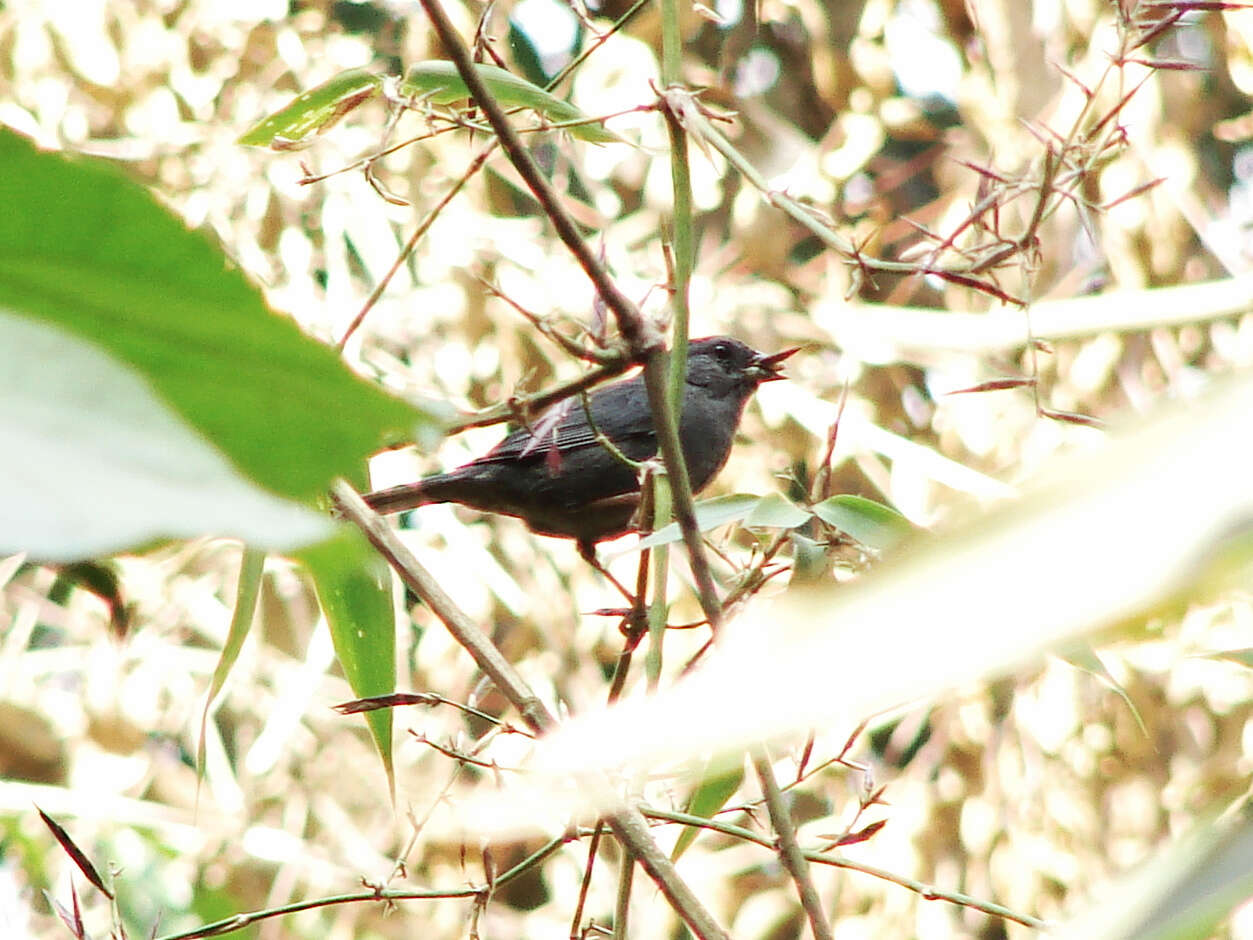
<point>920,168</point>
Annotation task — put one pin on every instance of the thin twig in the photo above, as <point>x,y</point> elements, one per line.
<point>926,891</point>
<point>592,847</point>
<point>525,407</point>
<point>240,921</point>
<point>475,165</point>
<point>640,338</point>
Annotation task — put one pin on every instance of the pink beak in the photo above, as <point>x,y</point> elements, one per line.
<point>772,365</point>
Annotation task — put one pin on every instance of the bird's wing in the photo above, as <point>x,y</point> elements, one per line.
<point>619,411</point>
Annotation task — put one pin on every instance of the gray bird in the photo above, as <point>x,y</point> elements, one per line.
<point>560,480</point>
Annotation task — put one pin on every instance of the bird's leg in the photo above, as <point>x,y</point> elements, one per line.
<point>635,624</point>
<point>587,551</point>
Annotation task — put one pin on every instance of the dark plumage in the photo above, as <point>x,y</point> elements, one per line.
<point>561,481</point>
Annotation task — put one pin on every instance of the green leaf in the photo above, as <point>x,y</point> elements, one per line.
<point>439,81</point>
<point>1243,657</point>
<point>873,524</point>
<point>105,465</point>
<point>1083,656</point>
<point>313,111</point>
<point>251,567</point>
<point>354,588</point>
<point>140,374</point>
<point>525,56</point>
<point>810,561</point>
<point>710,514</point>
<point>707,800</point>
<point>776,511</point>
<point>1186,890</point>
<point>773,511</point>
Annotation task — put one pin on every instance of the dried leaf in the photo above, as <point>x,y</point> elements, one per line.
<point>76,854</point>
<point>994,385</point>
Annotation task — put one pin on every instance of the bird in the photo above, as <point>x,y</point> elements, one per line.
<point>558,477</point>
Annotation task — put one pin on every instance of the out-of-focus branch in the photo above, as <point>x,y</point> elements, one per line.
<point>790,853</point>
<point>627,823</point>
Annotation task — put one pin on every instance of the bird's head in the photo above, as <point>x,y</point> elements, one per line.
<point>721,363</point>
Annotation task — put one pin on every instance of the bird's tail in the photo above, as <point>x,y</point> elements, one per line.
<point>408,495</point>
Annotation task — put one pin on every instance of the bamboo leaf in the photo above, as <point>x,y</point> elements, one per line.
<point>873,524</point>
<point>312,112</point>
<point>439,82</point>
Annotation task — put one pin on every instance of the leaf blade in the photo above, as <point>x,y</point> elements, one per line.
<point>439,81</point>
<point>354,589</point>
<point>314,111</point>
<point>873,524</point>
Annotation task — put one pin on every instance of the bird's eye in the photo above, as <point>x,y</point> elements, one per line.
<point>722,351</point>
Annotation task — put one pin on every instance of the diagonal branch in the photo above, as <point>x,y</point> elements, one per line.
<point>790,853</point>
<point>643,340</point>
<point>627,823</point>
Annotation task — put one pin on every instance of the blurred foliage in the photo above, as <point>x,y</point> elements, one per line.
<point>1033,791</point>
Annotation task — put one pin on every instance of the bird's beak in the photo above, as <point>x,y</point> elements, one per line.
<point>770,368</point>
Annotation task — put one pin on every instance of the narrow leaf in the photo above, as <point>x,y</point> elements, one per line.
<point>710,514</point>
<point>1244,657</point>
<point>251,567</point>
<point>1070,417</point>
<point>994,385</point>
<point>76,855</point>
<point>1186,890</point>
<point>966,280</point>
<point>354,588</point>
<point>1131,194</point>
<point>776,511</point>
<point>313,111</point>
<point>438,81</point>
<point>1169,65</point>
<point>706,800</point>
<point>1084,656</point>
<point>73,918</point>
<point>873,524</point>
<point>861,835</point>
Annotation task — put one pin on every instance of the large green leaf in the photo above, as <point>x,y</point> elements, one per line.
<point>155,380</point>
<point>92,462</point>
